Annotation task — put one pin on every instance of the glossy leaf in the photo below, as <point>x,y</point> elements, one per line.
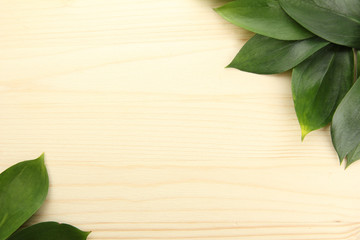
<point>319,84</point>
<point>264,17</point>
<point>348,8</point>
<point>266,55</point>
<point>23,189</point>
<point>337,21</point>
<point>345,130</point>
<point>50,231</point>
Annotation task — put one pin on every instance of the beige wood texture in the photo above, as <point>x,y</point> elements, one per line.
<point>148,136</point>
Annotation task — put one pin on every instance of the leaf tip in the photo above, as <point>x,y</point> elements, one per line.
<point>230,65</point>
<point>347,165</point>
<point>349,161</point>
<point>41,158</point>
<point>304,133</point>
<point>87,233</point>
<point>341,159</point>
<point>216,9</point>
<point>219,10</point>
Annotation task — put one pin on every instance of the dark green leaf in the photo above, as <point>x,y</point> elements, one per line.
<point>23,189</point>
<point>353,156</point>
<point>264,17</point>
<point>266,55</point>
<point>348,8</point>
<point>319,84</point>
<point>345,128</point>
<point>50,231</point>
<point>337,21</point>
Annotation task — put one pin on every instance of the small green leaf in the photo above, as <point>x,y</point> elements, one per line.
<point>50,231</point>
<point>345,130</point>
<point>23,189</point>
<point>319,84</point>
<point>266,55</point>
<point>264,17</point>
<point>337,21</point>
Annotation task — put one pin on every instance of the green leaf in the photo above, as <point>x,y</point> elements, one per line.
<point>50,231</point>
<point>319,84</point>
<point>353,156</point>
<point>266,55</point>
<point>345,130</point>
<point>348,8</point>
<point>264,17</point>
<point>337,21</point>
<point>23,189</point>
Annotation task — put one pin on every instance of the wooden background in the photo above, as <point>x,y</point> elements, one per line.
<point>148,136</point>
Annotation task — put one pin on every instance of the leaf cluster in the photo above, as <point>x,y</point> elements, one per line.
<point>23,189</point>
<point>318,40</point>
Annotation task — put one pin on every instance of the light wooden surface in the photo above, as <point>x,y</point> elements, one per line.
<point>148,136</point>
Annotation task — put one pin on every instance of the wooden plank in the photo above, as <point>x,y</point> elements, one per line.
<point>147,136</point>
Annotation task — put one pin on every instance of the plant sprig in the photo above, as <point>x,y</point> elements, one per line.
<point>318,41</point>
<point>23,189</point>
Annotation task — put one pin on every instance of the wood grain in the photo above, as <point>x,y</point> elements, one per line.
<point>147,136</point>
